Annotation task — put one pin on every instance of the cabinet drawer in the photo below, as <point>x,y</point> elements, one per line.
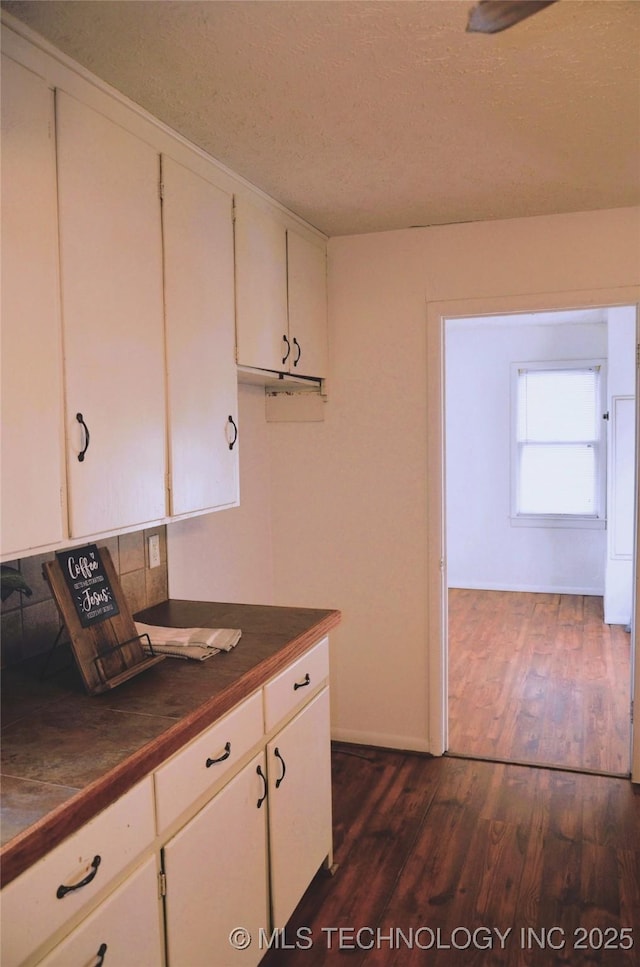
<point>207,759</point>
<point>39,901</point>
<point>290,689</point>
<point>111,932</point>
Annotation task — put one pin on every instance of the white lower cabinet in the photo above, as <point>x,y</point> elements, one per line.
<point>299,765</point>
<point>216,877</point>
<point>198,865</point>
<point>238,869</point>
<point>125,930</point>
<point>53,893</point>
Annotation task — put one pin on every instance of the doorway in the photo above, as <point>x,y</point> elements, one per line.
<point>539,655</point>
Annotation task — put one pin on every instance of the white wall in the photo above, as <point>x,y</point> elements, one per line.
<point>484,548</point>
<point>350,497</point>
<point>349,501</point>
<point>353,495</point>
<point>228,556</point>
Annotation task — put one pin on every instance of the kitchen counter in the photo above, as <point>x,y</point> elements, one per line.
<point>67,755</point>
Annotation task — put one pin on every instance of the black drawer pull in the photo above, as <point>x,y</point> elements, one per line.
<point>306,681</point>
<point>221,758</point>
<point>102,949</point>
<point>264,779</point>
<point>276,753</point>
<point>84,426</point>
<point>63,890</point>
<point>299,348</point>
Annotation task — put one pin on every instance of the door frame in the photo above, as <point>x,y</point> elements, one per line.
<point>437,632</point>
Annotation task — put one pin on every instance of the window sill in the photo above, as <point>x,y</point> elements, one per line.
<point>535,520</point>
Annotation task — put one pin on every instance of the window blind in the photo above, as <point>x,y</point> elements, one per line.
<point>558,441</point>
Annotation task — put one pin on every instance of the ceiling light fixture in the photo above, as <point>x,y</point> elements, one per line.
<point>492,16</point>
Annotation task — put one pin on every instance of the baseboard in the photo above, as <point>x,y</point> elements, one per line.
<point>617,619</point>
<point>382,740</point>
<point>530,588</point>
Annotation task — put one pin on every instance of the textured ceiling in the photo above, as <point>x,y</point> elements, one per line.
<point>366,116</point>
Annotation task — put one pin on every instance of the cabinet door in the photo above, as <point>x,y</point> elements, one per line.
<point>216,876</point>
<point>32,421</point>
<point>300,837</point>
<point>125,930</point>
<point>261,290</point>
<point>111,267</point>
<point>307,281</point>
<point>200,338</point>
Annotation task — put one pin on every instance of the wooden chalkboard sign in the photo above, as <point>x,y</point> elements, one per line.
<point>103,635</point>
<point>91,591</point>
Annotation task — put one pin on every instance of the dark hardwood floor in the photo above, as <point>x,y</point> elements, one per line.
<point>538,678</point>
<point>449,862</point>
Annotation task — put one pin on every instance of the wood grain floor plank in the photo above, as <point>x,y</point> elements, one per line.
<point>538,678</point>
<point>540,857</point>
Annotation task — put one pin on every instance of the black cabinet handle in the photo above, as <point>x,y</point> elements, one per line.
<point>264,779</point>
<point>305,681</point>
<point>86,436</point>
<point>221,758</point>
<point>102,949</point>
<point>286,355</point>
<point>235,432</point>
<point>276,753</point>
<point>63,890</point>
<point>299,348</point>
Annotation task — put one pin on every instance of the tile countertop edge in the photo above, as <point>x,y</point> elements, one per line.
<point>39,839</point>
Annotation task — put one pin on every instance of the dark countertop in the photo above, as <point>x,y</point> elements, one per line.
<point>67,755</point>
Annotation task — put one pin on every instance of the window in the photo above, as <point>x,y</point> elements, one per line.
<point>559,452</point>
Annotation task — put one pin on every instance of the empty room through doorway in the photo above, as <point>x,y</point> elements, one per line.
<point>540,572</point>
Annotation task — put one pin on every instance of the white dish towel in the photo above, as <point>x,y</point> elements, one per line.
<point>197,643</point>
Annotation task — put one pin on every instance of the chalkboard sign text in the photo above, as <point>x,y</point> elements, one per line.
<point>91,592</point>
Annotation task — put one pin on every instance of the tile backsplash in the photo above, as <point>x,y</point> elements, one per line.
<point>30,624</point>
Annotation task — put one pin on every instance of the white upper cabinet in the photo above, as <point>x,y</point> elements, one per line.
<point>112,307</point>
<point>125,315</point>
<point>281,300</point>
<point>307,288</point>
<point>32,451</point>
<point>261,289</point>
<point>200,341</point>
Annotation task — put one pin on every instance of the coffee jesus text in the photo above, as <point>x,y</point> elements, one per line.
<point>93,599</point>
<point>83,566</point>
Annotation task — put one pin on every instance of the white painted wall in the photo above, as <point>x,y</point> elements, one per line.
<point>349,501</point>
<point>353,498</point>
<point>228,556</point>
<point>352,519</point>
<point>484,548</point>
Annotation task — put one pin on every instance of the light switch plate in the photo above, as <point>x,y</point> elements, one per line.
<point>154,550</point>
